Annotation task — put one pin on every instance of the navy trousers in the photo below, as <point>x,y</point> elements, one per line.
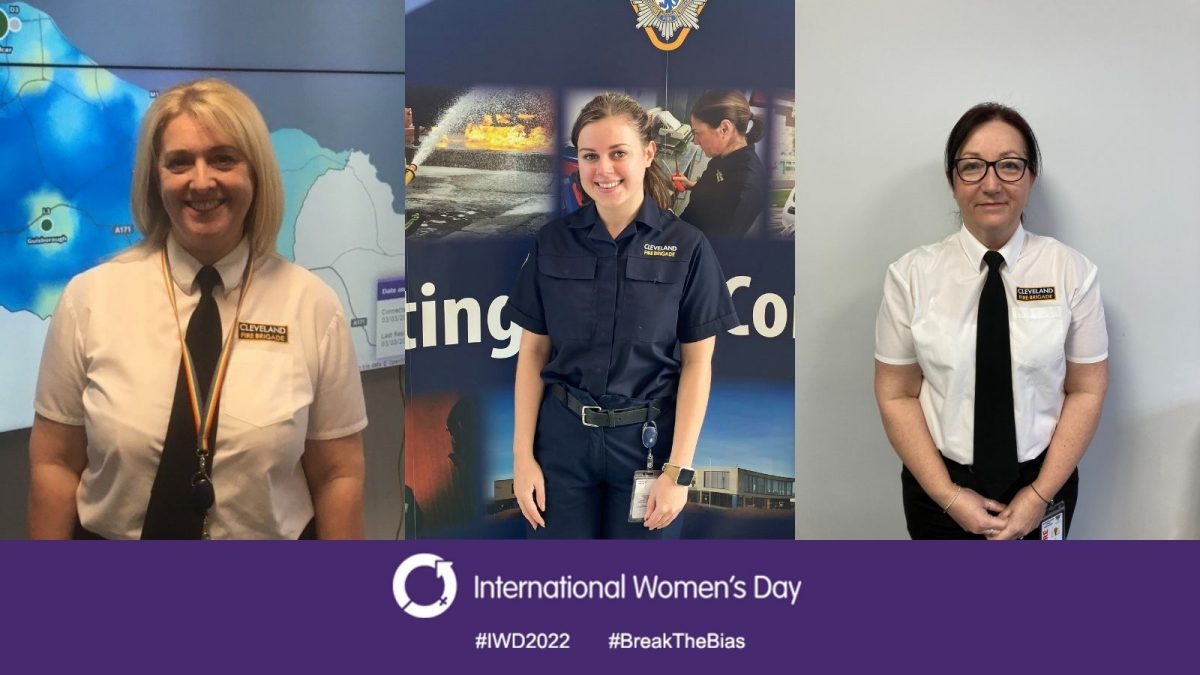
<point>589,472</point>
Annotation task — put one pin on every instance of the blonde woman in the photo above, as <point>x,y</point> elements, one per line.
<point>198,385</point>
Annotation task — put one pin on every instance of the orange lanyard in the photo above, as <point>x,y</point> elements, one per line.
<point>204,411</point>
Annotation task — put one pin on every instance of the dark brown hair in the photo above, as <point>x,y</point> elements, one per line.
<point>728,104</point>
<point>982,114</point>
<point>612,104</point>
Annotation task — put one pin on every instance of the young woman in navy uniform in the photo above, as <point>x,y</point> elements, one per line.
<point>620,303</point>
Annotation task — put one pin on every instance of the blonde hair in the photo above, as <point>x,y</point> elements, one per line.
<point>611,104</point>
<point>224,109</point>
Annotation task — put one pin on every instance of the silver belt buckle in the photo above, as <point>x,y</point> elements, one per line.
<point>583,415</point>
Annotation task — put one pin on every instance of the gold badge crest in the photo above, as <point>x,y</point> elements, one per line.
<point>668,22</point>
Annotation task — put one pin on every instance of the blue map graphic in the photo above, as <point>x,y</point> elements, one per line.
<point>64,173</point>
<point>69,138</point>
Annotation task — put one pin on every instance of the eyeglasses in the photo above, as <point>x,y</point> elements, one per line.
<point>1008,169</point>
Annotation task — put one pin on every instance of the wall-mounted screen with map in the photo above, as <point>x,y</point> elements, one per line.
<point>75,79</point>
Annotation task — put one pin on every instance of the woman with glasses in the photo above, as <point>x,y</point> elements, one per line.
<point>991,353</point>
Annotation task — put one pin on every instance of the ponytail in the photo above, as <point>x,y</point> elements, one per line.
<point>658,186</point>
<point>756,129</point>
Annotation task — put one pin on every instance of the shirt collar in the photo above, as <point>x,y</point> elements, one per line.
<point>649,214</point>
<point>975,250</point>
<point>185,267</point>
<point>742,154</point>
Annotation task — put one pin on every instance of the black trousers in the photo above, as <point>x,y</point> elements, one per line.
<point>310,532</point>
<point>926,520</point>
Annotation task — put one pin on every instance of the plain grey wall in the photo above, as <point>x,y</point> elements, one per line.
<point>383,495</point>
<point>1112,89</point>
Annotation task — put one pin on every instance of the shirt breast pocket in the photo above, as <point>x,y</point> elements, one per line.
<point>569,295</point>
<point>1039,335</point>
<point>941,344</point>
<point>266,387</point>
<point>650,302</point>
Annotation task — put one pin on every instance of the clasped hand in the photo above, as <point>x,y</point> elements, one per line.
<point>995,520</point>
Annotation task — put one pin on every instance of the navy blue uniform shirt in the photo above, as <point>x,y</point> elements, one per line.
<point>616,310</point>
<point>728,198</point>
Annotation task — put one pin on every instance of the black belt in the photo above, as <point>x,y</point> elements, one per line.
<point>1035,463</point>
<point>595,416</point>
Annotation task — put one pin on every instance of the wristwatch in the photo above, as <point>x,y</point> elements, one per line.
<point>682,475</point>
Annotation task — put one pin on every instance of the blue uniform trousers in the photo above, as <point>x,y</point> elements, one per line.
<point>589,471</point>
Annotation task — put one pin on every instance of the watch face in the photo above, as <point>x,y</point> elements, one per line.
<point>685,476</point>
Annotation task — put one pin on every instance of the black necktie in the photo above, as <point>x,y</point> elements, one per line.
<point>170,513</point>
<point>995,423</point>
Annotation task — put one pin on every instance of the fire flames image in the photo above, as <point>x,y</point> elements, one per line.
<point>499,131</point>
<point>482,163</point>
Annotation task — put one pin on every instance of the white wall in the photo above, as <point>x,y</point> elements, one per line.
<point>1112,90</point>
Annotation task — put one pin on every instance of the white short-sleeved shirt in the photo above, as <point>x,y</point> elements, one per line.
<point>111,361</point>
<point>928,317</point>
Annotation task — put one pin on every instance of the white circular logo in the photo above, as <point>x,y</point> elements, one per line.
<point>444,571</point>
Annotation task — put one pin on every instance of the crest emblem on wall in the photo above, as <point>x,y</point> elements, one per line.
<point>668,22</point>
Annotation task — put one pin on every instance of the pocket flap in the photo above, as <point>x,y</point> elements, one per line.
<point>265,386</point>
<point>657,271</point>
<point>567,267</point>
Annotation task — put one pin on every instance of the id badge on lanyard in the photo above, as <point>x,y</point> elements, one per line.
<point>643,481</point>
<point>1053,523</point>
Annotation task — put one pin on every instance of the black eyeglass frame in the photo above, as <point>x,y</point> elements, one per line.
<point>991,165</point>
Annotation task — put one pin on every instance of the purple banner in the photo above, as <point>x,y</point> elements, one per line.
<point>833,606</point>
